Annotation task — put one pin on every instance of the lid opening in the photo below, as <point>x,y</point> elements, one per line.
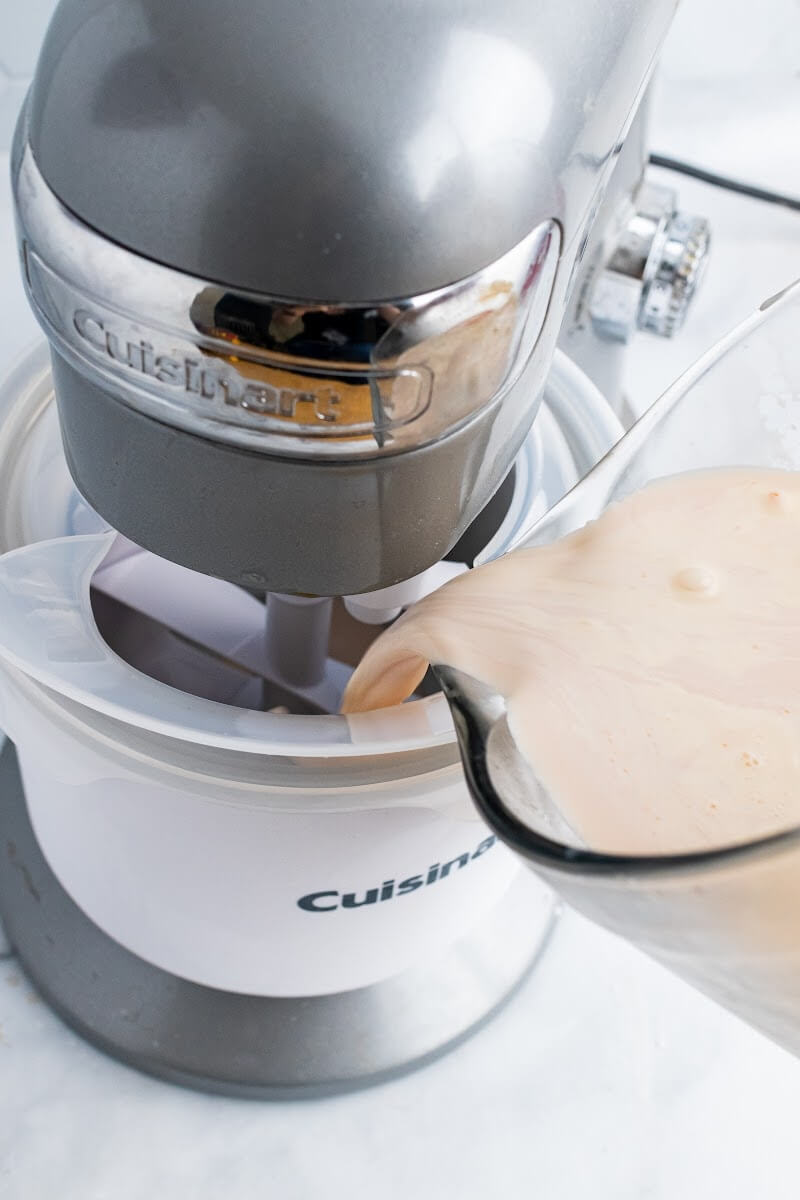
<point>39,504</point>
<point>279,654</point>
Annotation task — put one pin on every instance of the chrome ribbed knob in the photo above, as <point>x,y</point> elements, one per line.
<point>683,254</point>
<point>653,270</point>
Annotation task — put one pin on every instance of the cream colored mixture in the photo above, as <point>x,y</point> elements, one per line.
<point>651,661</point>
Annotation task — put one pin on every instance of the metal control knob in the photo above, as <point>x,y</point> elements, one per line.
<point>653,271</point>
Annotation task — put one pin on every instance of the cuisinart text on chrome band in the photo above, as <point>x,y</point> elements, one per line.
<point>326,396</point>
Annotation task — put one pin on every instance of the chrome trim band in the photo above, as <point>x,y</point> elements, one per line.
<point>274,375</point>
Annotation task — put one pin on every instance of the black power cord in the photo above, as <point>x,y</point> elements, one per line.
<point>723,181</point>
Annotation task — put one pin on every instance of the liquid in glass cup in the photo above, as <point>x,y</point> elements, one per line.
<point>724,917</point>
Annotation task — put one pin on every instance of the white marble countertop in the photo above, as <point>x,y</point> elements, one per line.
<point>605,1077</point>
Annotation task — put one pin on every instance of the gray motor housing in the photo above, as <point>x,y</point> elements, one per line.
<point>338,153</point>
<point>358,156</point>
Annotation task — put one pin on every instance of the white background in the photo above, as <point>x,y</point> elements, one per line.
<point>605,1078</point>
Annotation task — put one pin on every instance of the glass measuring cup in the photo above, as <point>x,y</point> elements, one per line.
<point>725,918</point>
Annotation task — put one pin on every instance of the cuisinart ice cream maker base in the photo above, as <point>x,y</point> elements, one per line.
<point>240,1045</point>
<point>241,901</point>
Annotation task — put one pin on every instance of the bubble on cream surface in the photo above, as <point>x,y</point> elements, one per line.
<point>650,661</point>
<point>702,580</point>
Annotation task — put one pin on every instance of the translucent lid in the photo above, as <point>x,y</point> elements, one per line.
<point>38,499</point>
<point>55,543</point>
